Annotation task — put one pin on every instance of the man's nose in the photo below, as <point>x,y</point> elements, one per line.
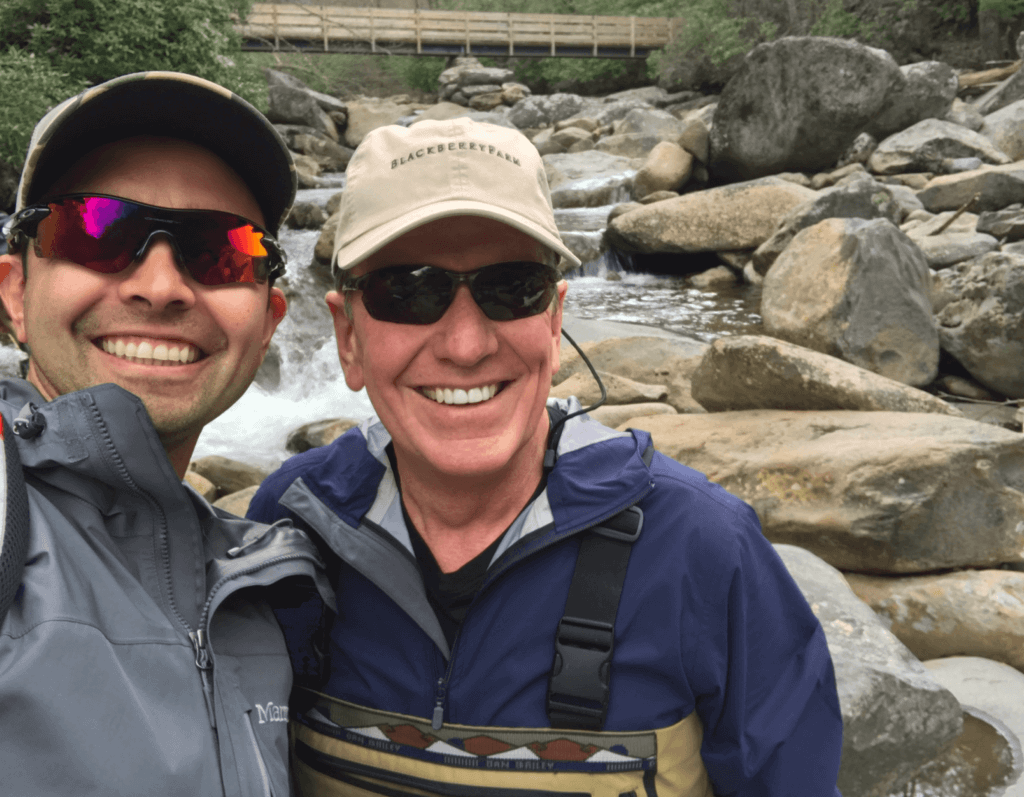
<point>157,280</point>
<point>466,334</point>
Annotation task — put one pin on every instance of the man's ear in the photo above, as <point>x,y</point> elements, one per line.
<point>349,349</point>
<point>12,293</point>
<point>556,326</point>
<point>277,306</point>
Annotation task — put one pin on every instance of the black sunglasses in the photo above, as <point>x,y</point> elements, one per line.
<point>422,294</point>
<point>107,234</point>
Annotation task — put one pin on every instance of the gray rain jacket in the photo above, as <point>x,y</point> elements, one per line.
<point>141,656</point>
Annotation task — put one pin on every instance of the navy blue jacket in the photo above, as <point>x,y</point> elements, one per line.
<point>709,621</point>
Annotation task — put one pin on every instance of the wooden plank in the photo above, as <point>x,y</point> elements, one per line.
<point>988,76</point>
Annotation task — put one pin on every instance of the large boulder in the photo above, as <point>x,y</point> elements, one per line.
<point>858,290</point>
<point>969,613</point>
<point>757,372</point>
<point>1005,224</point>
<point>883,492</point>
<point>620,389</point>
<point>983,324</point>
<point>862,198</point>
<point>1005,128</point>
<point>297,106</point>
<point>987,188</point>
<point>797,103</point>
<point>927,92</point>
<point>896,718</point>
<point>947,249</point>
<point>366,114</point>
<point>925,146</point>
<point>543,110</point>
<point>738,216</point>
<point>1009,91</point>
<point>667,168</point>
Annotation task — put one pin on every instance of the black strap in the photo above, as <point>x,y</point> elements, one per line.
<point>579,685</point>
<point>13,520</point>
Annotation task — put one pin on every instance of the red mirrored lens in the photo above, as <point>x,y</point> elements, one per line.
<point>95,232</point>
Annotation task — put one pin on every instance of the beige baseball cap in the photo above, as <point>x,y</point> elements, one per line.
<point>402,177</point>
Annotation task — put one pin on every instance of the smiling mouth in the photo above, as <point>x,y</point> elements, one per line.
<point>150,352</point>
<point>456,395</point>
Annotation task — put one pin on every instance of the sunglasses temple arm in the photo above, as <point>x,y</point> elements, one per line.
<point>550,456</point>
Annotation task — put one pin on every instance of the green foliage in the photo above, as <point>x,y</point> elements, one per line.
<point>835,20</point>
<point>958,11</point>
<point>1006,9</point>
<point>31,86</point>
<point>96,40</point>
<point>416,72</point>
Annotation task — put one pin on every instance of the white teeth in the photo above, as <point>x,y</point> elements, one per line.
<point>147,353</point>
<point>474,395</point>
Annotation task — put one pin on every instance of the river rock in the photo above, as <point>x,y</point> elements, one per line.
<point>858,290</point>
<point>994,186</point>
<point>655,124</point>
<point>738,216</point>
<point>324,248</point>
<point>206,488</point>
<point>588,179</point>
<point>667,168</point>
<point>717,277</point>
<point>695,139</point>
<point>620,389</point>
<point>658,196</point>
<point>228,475</point>
<point>306,216</point>
<point>1009,91</point>
<point>965,115</point>
<point>648,360</point>
<point>571,135</point>
<point>237,503</point>
<point>585,244</point>
<point>983,325</point>
<point>895,716</point>
<point>925,145</point>
<point>331,156</point>
<point>969,613</point>
<point>627,145</point>
<point>296,106</point>
<point>797,103</point>
<point>1005,128</point>
<point>367,113</point>
<point>863,198</point>
<point>757,372</point>
<point>317,433</point>
<point>617,414</point>
<point>1005,224</point>
<point>883,492</point>
<point>942,251</point>
<point>543,110</point>
<point>927,92</point>
<point>513,92</point>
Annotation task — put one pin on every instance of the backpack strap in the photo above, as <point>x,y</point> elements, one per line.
<point>13,519</point>
<point>578,688</point>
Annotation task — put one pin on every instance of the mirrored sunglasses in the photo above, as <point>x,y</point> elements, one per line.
<point>107,234</point>
<point>422,294</point>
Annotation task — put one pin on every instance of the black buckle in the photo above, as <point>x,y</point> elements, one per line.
<point>627,525</point>
<point>578,689</point>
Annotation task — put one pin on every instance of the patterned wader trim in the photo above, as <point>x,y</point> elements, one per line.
<point>339,748</point>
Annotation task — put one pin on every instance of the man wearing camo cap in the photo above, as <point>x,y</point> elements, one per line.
<point>529,602</point>
<point>138,650</point>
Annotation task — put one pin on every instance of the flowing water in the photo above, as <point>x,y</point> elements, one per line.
<point>311,387</point>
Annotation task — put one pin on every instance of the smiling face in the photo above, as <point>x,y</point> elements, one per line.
<point>417,375</point>
<point>85,328</point>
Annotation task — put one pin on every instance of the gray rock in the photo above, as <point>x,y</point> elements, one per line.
<point>627,145</point>
<point>11,359</point>
<point>493,76</point>
<point>862,198</point>
<point>658,125</point>
<point>987,188</point>
<point>983,325</point>
<point>1005,224</point>
<point>277,78</point>
<point>481,88</point>
<point>896,718</point>
<point>1005,128</point>
<point>957,165</point>
<point>927,92</point>
<point>858,290</point>
<point>618,414</point>
<point>944,250</point>
<point>1009,91</point>
<point>797,103</point>
<point>331,156</point>
<point>587,246</point>
<point>906,199</point>
<point>965,115</point>
<point>859,151</point>
<point>228,475</point>
<point>306,216</point>
<point>652,95</point>
<point>368,114</point>
<point>750,372</point>
<point>588,179</point>
<point>620,389</point>
<point>317,433</point>
<point>327,102</point>
<point>237,503</point>
<point>542,110</point>
<point>717,277</point>
<point>297,106</point>
<point>925,145</point>
<point>667,168</point>
<point>610,112</point>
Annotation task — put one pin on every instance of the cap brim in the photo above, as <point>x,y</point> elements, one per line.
<point>354,252</point>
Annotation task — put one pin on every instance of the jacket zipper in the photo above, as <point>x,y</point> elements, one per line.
<point>204,666</point>
<point>441,688</point>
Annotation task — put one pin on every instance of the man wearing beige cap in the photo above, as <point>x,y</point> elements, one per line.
<point>528,602</point>
<point>138,651</point>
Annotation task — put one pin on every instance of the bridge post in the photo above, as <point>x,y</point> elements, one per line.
<point>551,24</point>
<point>323,27</point>
<point>593,33</point>
<point>277,38</point>
<point>419,36</point>
<point>510,37</point>
<point>469,46</point>
<point>632,37</point>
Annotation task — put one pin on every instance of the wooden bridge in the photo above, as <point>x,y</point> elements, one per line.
<point>342,29</point>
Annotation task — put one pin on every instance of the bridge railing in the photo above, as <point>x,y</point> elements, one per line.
<point>339,28</point>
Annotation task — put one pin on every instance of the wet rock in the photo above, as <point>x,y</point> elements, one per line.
<point>862,198</point>
<point>268,375</point>
<point>306,216</point>
<point>969,613</point>
<point>896,718</point>
<point>543,110</point>
<point>324,249</point>
<point>667,168</point>
<point>758,372</point>
<point>588,179</point>
<point>942,251</point>
<point>317,433</point>
<point>297,106</point>
<point>618,414</point>
<point>927,92</point>
<point>654,124</point>
<point>987,188</point>
<point>1005,224</point>
<point>621,390</point>
<point>925,145</point>
<point>717,277</point>
<point>627,145</point>
<point>738,216</point>
<point>658,196</point>
<point>586,245</point>
<point>858,290</point>
<point>983,325</point>
<point>206,488</point>
<point>228,475</point>
<point>796,104</point>
<point>965,115</point>
<point>623,207</point>
<point>12,360</point>
<point>1005,128</point>
<point>366,114</point>
<point>237,503</point>
<point>883,492</point>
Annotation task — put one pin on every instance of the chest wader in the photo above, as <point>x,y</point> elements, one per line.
<point>339,748</point>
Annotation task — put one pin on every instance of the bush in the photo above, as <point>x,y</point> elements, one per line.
<point>31,86</point>
<point>96,40</point>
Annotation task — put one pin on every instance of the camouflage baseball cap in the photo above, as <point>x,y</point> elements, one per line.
<point>168,104</point>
